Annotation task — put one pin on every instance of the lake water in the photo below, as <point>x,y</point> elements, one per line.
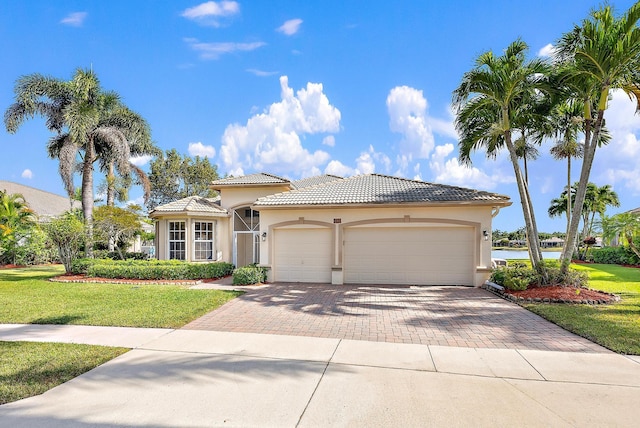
<point>520,254</point>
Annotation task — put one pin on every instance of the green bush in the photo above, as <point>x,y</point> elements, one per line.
<point>157,269</point>
<point>35,249</point>
<point>106,254</point>
<point>615,256</point>
<point>81,266</point>
<point>248,275</point>
<point>517,276</point>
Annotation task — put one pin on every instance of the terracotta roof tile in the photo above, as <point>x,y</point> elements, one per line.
<point>192,204</point>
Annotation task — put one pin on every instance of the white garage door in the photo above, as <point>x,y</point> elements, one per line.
<point>415,256</point>
<point>302,255</point>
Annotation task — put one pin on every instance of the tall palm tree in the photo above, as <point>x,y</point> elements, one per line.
<point>567,121</point>
<point>489,102</point>
<point>598,56</point>
<point>88,121</point>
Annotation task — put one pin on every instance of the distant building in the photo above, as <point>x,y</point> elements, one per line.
<point>553,242</point>
<point>45,204</point>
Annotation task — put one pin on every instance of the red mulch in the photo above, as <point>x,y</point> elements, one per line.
<point>11,266</point>
<point>567,294</point>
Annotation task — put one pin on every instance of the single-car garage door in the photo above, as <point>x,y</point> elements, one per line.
<point>409,255</point>
<point>302,255</point>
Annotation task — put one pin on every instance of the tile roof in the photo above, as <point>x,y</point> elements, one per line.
<point>379,189</point>
<point>259,178</point>
<point>45,204</point>
<point>191,204</point>
<point>314,181</point>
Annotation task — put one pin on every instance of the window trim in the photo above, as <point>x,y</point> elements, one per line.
<point>212,240</point>
<point>169,240</point>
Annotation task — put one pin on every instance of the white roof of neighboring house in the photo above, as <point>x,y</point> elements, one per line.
<point>43,203</point>
<point>553,239</point>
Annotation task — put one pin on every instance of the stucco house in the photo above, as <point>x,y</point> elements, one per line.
<point>366,229</point>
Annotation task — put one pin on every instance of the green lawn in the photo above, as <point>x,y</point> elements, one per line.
<point>28,298</point>
<point>28,368</point>
<point>615,326</point>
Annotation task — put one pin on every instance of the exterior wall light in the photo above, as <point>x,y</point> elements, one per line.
<point>486,235</point>
<point>264,236</point>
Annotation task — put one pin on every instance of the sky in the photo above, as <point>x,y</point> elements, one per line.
<point>300,88</point>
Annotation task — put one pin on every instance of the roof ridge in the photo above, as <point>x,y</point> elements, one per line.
<point>274,176</point>
<point>33,188</point>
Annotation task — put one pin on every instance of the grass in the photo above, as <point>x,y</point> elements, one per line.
<point>615,326</point>
<point>28,369</point>
<point>28,298</point>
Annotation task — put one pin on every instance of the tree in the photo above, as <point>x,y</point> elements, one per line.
<point>114,225</point>
<point>66,232</point>
<point>16,218</point>
<point>175,177</point>
<point>598,56</point>
<point>490,103</point>
<point>88,121</point>
<point>626,227</point>
<point>567,121</point>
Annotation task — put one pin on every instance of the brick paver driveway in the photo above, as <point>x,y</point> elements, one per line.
<point>450,316</point>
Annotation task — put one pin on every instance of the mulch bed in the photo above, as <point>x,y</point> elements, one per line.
<point>96,280</point>
<point>559,294</point>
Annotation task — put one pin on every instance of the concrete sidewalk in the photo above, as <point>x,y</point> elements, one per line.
<point>207,378</point>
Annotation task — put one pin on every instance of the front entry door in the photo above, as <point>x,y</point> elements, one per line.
<point>246,248</point>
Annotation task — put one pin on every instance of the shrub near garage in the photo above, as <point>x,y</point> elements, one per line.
<point>248,275</point>
<point>518,276</point>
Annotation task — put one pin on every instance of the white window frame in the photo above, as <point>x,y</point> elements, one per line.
<point>197,239</point>
<point>170,235</point>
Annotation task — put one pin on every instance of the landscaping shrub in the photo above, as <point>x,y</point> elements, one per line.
<point>519,276</point>
<point>157,269</point>
<point>615,256</point>
<point>248,275</point>
<point>81,266</point>
<point>106,254</point>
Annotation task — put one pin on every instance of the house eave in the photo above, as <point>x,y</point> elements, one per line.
<point>385,205</point>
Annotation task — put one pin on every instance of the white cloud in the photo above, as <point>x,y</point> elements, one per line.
<point>27,174</point>
<point>215,50</point>
<point>336,167</point>
<point>199,149</point>
<point>407,109</point>
<point>369,160</point>
<point>75,19</point>
<point>546,51</point>
<point>329,140</point>
<point>290,27</point>
<point>211,12</point>
<point>452,172</point>
<point>271,140</point>
<point>261,73</point>
<point>140,160</point>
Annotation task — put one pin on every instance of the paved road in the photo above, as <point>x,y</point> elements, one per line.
<point>448,316</point>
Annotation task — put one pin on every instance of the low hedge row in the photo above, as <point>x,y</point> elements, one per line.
<point>615,256</point>
<point>248,275</point>
<point>150,269</point>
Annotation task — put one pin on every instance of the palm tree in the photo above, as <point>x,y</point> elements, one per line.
<point>87,120</point>
<point>625,226</point>
<point>15,215</point>
<point>567,122</point>
<point>490,102</point>
<point>600,55</point>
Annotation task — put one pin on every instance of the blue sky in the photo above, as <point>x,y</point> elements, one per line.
<point>301,88</point>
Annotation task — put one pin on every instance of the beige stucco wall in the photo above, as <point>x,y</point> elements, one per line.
<point>477,217</point>
<point>222,243</point>
<point>233,197</point>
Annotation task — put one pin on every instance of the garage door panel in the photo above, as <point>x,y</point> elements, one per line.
<point>302,255</point>
<point>420,256</point>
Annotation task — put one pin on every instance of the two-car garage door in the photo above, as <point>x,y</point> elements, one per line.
<point>420,256</point>
<point>378,255</point>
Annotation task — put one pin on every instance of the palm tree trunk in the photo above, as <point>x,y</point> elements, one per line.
<point>589,154</point>
<point>111,186</point>
<point>529,217</point>
<point>87,196</point>
<point>568,198</point>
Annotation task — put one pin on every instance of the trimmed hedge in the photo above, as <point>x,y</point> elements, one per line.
<point>615,256</point>
<point>106,254</point>
<point>151,269</point>
<point>248,275</point>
